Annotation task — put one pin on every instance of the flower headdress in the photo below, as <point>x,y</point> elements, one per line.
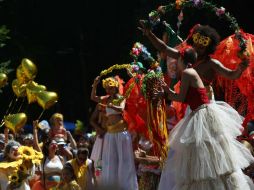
<point>180,5</point>
<point>110,82</point>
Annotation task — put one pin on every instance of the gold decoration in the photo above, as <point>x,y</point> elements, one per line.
<point>29,68</point>
<point>32,89</point>
<point>18,89</point>
<point>110,69</point>
<point>3,79</point>
<point>15,121</point>
<point>20,74</point>
<point>46,99</point>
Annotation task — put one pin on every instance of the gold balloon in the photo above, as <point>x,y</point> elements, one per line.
<point>46,99</point>
<point>3,79</point>
<point>18,89</point>
<point>20,74</point>
<point>32,89</point>
<point>29,68</point>
<point>15,121</point>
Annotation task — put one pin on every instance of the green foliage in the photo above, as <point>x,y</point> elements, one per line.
<point>80,127</point>
<point>4,66</point>
<point>3,35</point>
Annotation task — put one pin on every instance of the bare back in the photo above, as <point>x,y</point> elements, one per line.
<point>194,78</point>
<point>205,71</point>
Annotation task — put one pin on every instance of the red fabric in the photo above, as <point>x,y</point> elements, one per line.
<point>38,186</point>
<point>196,97</point>
<point>135,108</point>
<point>120,82</point>
<point>179,106</point>
<point>238,93</point>
<point>167,79</point>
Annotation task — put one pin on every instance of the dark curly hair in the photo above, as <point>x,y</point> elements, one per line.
<point>189,55</point>
<point>207,31</point>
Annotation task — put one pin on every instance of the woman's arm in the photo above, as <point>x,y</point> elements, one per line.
<point>94,122</point>
<point>157,43</point>
<point>94,97</point>
<point>185,83</point>
<point>35,134</point>
<point>119,108</point>
<point>228,73</point>
<point>73,143</point>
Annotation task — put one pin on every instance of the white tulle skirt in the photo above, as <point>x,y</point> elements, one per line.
<point>118,168</point>
<point>205,154</point>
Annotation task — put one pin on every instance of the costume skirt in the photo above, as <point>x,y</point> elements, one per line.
<point>204,152</point>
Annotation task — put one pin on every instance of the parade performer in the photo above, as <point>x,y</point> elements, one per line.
<point>241,89</point>
<point>206,67</point>
<point>206,152</point>
<point>154,127</point>
<point>117,157</point>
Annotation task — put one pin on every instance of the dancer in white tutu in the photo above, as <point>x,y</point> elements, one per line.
<point>206,154</point>
<point>118,167</point>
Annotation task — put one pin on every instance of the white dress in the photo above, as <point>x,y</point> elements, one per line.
<point>118,167</point>
<point>204,153</point>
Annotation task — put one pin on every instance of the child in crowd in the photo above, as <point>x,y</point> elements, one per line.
<point>57,130</point>
<point>68,179</point>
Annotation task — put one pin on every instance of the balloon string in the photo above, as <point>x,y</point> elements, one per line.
<point>23,100</point>
<point>10,106</point>
<point>2,123</point>
<point>13,107</point>
<point>41,115</point>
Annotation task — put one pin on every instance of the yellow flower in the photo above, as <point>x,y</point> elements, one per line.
<point>38,155</point>
<point>37,158</point>
<point>26,152</point>
<point>15,164</point>
<point>14,178</point>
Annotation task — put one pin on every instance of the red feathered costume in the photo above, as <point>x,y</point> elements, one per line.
<point>239,93</point>
<point>135,107</point>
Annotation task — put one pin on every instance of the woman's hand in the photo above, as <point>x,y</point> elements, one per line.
<point>164,86</point>
<point>96,81</point>
<point>157,94</point>
<point>100,131</point>
<point>145,27</point>
<point>110,105</point>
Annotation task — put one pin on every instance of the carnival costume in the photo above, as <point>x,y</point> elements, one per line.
<point>206,155</point>
<point>117,157</point>
<point>239,90</point>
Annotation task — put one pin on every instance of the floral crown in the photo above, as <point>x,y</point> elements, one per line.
<point>110,82</point>
<point>220,12</point>
<point>200,39</point>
